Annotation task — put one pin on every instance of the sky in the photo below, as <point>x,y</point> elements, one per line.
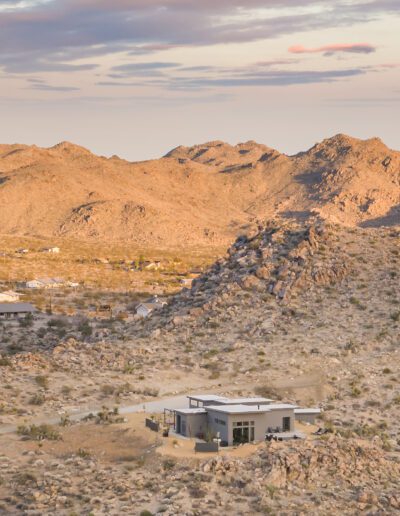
<point>137,78</point>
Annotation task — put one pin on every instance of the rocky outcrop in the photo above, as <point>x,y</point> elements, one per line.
<point>279,261</point>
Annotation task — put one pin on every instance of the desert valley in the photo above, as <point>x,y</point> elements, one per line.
<point>231,271</point>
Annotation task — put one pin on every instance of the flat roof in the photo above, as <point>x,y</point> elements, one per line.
<point>191,411</point>
<point>281,406</point>
<point>234,401</point>
<point>11,308</point>
<point>206,397</point>
<point>229,401</point>
<point>238,409</point>
<point>307,411</point>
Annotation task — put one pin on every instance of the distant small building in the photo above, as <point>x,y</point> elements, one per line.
<point>146,309</point>
<point>34,284</point>
<point>53,250</point>
<point>186,282</point>
<point>151,266</point>
<point>72,284</point>
<point>197,270</point>
<point>9,296</point>
<point>22,251</point>
<point>45,283</point>
<point>104,261</point>
<point>16,310</point>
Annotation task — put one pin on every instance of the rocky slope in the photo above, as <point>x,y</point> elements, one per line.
<point>309,312</point>
<point>304,312</point>
<point>203,195</point>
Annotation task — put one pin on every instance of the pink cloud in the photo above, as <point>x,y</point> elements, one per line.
<point>356,48</point>
<point>389,66</point>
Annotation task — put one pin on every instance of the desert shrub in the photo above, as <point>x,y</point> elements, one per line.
<point>355,391</point>
<point>149,391</point>
<point>210,353</point>
<point>25,478</point>
<point>56,323</point>
<point>214,374</point>
<point>5,362</point>
<point>41,332</point>
<point>27,321</point>
<point>65,420</point>
<point>107,416</point>
<point>14,348</point>
<point>107,390</point>
<point>37,399</point>
<point>83,454</point>
<point>169,464</point>
<point>85,328</point>
<point>66,390</point>
<point>42,381</point>
<point>267,391</point>
<point>39,433</point>
<point>372,403</point>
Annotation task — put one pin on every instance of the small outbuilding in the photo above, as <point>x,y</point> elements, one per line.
<point>52,250</point>
<point>146,309</point>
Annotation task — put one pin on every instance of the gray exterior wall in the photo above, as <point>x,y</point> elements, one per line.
<point>275,417</point>
<point>306,418</point>
<point>216,427</point>
<point>193,424</point>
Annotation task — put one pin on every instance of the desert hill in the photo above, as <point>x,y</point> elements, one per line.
<point>305,311</point>
<point>202,195</point>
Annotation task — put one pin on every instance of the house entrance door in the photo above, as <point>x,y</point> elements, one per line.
<point>178,424</point>
<point>286,424</point>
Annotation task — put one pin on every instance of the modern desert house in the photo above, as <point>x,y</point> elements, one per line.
<point>237,420</point>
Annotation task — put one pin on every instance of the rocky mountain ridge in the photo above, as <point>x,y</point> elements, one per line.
<point>204,195</point>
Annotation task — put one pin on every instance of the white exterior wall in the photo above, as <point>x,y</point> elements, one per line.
<point>34,284</point>
<point>259,424</point>
<point>226,431</point>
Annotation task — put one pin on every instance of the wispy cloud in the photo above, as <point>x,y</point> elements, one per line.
<point>52,36</point>
<point>150,69</point>
<point>329,50</point>
<point>49,87</point>
<point>266,78</point>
